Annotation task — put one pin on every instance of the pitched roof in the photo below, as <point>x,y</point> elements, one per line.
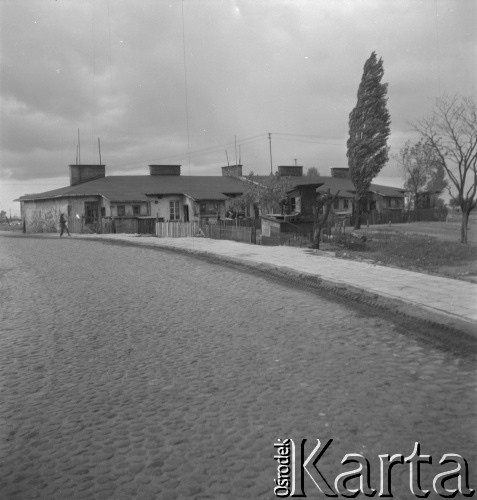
<point>347,189</point>
<point>122,188</point>
<point>136,188</point>
<point>387,190</point>
<point>294,180</point>
<point>334,184</point>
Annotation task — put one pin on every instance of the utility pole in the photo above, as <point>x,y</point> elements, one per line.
<point>270,141</point>
<point>99,149</point>
<point>79,148</point>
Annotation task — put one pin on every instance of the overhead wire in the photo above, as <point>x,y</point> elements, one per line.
<point>186,96</point>
<point>110,51</point>
<point>93,43</point>
<point>212,149</point>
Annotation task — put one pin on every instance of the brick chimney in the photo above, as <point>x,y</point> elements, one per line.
<point>290,171</point>
<point>85,173</point>
<point>232,171</point>
<point>164,169</point>
<point>340,172</point>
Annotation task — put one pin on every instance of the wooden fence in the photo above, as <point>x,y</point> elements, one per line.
<point>214,231</point>
<point>401,216</point>
<point>178,229</point>
<point>222,232</point>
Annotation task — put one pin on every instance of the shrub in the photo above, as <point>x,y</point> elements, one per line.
<point>350,242</point>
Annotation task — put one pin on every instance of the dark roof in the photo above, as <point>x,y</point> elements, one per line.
<point>334,184</point>
<point>135,188</point>
<point>122,188</point>
<point>387,190</point>
<point>294,180</point>
<point>323,183</point>
<point>347,189</point>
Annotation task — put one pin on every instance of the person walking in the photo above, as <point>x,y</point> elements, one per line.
<point>63,226</point>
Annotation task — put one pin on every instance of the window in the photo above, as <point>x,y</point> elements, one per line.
<point>174,210</point>
<point>336,203</point>
<point>136,209</point>
<point>121,210</point>
<point>345,204</point>
<point>295,204</point>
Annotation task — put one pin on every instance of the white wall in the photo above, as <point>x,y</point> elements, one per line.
<point>144,209</point>
<point>42,216</point>
<point>160,207</point>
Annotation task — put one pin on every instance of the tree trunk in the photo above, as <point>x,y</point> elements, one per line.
<point>463,227</point>
<point>317,237</point>
<point>357,214</point>
<point>319,224</point>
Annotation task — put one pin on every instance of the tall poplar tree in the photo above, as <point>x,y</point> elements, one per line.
<point>369,129</point>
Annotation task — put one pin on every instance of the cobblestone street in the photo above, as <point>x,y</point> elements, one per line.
<point>130,372</point>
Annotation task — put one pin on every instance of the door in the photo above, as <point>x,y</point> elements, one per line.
<point>91,212</point>
<point>146,225</point>
<point>186,213</point>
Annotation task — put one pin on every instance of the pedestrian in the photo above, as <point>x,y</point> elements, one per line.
<point>63,225</point>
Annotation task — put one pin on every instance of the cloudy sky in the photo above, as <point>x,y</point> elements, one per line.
<point>190,82</point>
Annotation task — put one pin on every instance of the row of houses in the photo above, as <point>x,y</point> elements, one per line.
<point>96,202</point>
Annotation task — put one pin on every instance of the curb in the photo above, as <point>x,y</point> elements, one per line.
<point>449,331</point>
<point>435,326</point>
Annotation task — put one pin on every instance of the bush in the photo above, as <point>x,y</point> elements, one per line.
<point>350,242</point>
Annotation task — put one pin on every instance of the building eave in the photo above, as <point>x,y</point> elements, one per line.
<point>54,197</point>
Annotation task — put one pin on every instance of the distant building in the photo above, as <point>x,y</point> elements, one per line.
<point>94,202</point>
<point>380,198</point>
<point>298,215</point>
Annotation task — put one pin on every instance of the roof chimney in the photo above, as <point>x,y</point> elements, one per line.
<point>232,171</point>
<point>340,172</point>
<point>85,173</point>
<point>290,171</point>
<point>164,169</point>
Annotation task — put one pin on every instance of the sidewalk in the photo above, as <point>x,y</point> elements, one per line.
<point>437,300</point>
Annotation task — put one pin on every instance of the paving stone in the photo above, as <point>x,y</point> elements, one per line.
<point>236,360</point>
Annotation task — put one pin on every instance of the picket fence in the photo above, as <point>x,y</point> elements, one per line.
<point>222,232</point>
<point>178,229</point>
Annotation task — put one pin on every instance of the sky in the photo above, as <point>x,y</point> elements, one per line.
<point>205,82</point>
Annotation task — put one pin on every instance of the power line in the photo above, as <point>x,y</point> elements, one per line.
<point>307,138</point>
<point>185,85</point>
<point>213,149</point>
<point>270,141</point>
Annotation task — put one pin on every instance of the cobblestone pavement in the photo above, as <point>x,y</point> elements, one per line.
<point>128,372</point>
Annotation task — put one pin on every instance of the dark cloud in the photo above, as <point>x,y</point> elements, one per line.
<point>116,70</point>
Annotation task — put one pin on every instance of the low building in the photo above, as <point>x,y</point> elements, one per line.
<point>383,202</point>
<point>94,202</point>
<point>380,198</point>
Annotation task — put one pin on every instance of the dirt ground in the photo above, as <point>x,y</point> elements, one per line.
<point>444,231</point>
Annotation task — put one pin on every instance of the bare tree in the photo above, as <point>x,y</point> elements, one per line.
<point>422,169</point>
<point>312,172</point>
<point>451,129</point>
<point>321,212</point>
<point>267,193</point>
